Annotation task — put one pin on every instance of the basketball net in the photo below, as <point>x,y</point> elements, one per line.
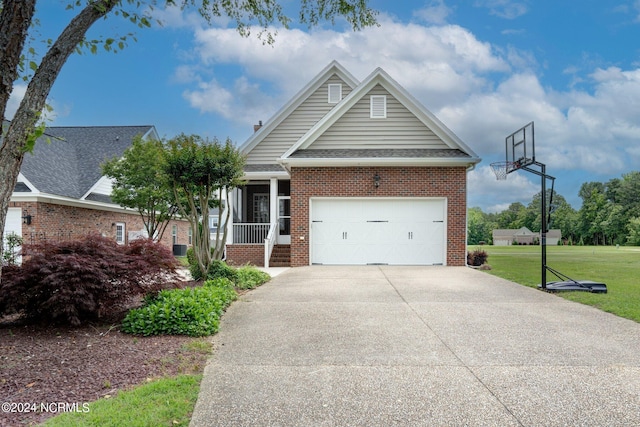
<point>501,169</point>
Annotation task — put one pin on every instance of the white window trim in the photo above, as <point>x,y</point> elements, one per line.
<point>374,106</point>
<point>122,225</point>
<point>331,100</point>
<point>174,234</point>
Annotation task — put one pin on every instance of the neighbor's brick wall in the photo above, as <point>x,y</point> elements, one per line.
<point>449,182</point>
<point>239,254</point>
<point>59,222</point>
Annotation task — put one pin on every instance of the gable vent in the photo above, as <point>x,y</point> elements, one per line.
<point>335,93</point>
<point>378,107</point>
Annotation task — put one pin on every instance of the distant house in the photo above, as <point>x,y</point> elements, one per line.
<point>61,192</point>
<point>523,236</point>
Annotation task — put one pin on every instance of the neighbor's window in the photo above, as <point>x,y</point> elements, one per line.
<point>174,234</point>
<point>378,107</point>
<point>120,230</point>
<point>190,236</point>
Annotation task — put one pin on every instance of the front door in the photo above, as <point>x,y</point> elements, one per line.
<point>284,220</point>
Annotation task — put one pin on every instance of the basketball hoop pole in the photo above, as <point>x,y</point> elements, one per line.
<point>520,153</point>
<point>543,208</point>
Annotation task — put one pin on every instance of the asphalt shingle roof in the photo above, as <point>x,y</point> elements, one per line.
<point>66,160</point>
<point>263,168</point>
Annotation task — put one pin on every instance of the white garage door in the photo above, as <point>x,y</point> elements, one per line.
<point>378,231</point>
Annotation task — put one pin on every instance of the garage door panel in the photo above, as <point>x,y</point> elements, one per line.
<point>378,231</point>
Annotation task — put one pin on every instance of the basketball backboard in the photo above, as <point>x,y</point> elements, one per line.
<point>520,148</point>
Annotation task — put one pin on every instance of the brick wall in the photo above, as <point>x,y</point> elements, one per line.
<point>240,254</point>
<point>449,182</point>
<point>60,222</point>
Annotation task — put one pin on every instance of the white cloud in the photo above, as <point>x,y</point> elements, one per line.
<point>506,9</point>
<point>437,64</point>
<point>15,99</point>
<point>245,103</point>
<point>434,12</point>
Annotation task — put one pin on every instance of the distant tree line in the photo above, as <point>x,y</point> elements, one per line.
<point>609,215</point>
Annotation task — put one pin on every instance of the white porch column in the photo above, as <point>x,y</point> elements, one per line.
<point>229,224</point>
<point>273,200</point>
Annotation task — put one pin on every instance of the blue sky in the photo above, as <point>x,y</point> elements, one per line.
<point>484,67</point>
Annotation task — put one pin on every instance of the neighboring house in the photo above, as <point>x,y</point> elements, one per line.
<point>523,236</point>
<point>61,193</point>
<point>351,172</point>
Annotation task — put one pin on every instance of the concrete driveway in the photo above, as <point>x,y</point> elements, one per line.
<point>417,346</point>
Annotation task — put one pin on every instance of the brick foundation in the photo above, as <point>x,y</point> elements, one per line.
<point>240,254</point>
<point>449,182</point>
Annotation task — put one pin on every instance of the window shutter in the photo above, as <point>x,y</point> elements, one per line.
<point>335,93</point>
<point>378,107</point>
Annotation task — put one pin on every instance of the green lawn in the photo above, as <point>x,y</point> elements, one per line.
<point>164,402</point>
<point>618,268</point>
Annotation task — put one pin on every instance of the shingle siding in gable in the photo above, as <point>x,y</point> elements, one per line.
<point>296,124</point>
<point>400,130</point>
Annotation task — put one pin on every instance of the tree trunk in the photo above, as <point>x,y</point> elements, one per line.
<point>14,23</point>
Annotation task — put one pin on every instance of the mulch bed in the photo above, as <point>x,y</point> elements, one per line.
<point>47,364</point>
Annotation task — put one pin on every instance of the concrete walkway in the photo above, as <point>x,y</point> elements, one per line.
<point>417,346</point>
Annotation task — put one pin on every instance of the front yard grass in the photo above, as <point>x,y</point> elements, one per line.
<point>164,402</point>
<point>618,268</point>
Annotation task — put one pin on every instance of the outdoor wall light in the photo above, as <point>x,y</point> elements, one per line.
<point>376,180</point>
<point>26,219</point>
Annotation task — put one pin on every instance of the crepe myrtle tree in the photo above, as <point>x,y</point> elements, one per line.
<point>140,184</point>
<point>201,174</point>
<point>17,55</point>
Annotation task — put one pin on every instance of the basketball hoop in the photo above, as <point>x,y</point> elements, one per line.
<point>501,169</point>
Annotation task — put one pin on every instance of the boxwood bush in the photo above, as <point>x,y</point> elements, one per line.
<point>192,311</point>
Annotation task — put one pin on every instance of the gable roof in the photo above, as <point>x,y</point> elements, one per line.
<point>66,160</point>
<point>333,68</point>
<point>459,153</point>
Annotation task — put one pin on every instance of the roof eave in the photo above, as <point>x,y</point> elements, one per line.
<point>253,176</point>
<point>378,161</point>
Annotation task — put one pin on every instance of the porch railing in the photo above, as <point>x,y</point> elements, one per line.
<point>250,232</point>
<point>270,242</point>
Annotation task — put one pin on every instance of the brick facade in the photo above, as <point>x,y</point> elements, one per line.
<point>240,254</point>
<point>449,182</point>
<point>59,222</point>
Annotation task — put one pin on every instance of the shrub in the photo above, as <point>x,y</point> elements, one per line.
<point>249,277</point>
<point>191,256</point>
<point>216,269</point>
<point>86,279</point>
<point>193,311</point>
<point>477,257</point>
<point>221,269</point>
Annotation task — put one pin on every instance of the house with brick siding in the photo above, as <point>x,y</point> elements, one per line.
<point>351,172</point>
<point>61,193</point>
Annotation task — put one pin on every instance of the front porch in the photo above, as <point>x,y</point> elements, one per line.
<point>260,222</point>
